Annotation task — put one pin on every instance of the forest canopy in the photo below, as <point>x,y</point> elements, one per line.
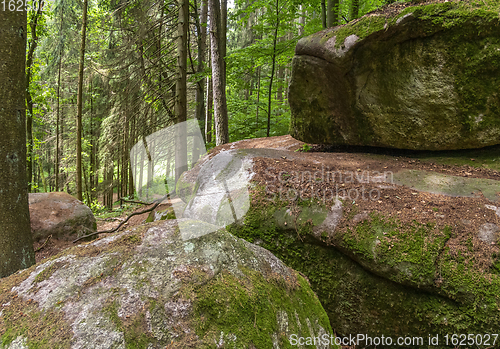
<point>104,74</point>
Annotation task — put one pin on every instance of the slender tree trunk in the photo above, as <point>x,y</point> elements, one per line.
<point>354,9</point>
<point>181,90</point>
<point>275,40</point>
<point>302,20</point>
<point>208,111</point>
<point>323,13</point>
<point>16,249</point>
<point>33,43</point>
<point>79,104</point>
<point>219,90</point>
<point>258,99</point>
<point>223,38</point>
<point>200,85</point>
<point>202,47</point>
<point>130,174</point>
<point>57,121</point>
<point>332,13</point>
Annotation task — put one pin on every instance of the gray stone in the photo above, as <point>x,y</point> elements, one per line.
<point>60,215</point>
<point>425,77</point>
<point>488,232</point>
<point>150,288</point>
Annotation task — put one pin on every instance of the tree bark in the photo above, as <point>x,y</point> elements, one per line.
<point>79,104</point>
<point>218,86</point>
<point>332,13</point>
<point>202,47</point>
<point>273,68</point>
<point>323,13</point>
<point>200,85</point>
<point>33,43</point>
<point>57,122</point>
<point>16,249</point>
<point>208,111</point>
<point>181,90</point>
<point>354,9</point>
<point>302,20</point>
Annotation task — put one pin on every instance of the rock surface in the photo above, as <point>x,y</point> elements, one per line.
<point>60,215</point>
<point>425,77</point>
<point>149,288</point>
<point>396,264</point>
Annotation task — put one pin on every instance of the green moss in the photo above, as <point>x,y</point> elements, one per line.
<point>248,309</point>
<point>362,28</point>
<point>134,328</point>
<point>42,329</point>
<point>405,253</point>
<point>358,301</point>
<point>47,272</point>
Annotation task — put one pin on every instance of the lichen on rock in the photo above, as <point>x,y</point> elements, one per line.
<point>149,288</point>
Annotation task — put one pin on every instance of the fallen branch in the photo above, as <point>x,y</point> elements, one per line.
<point>135,202</point>
<point>43,245</point>
<point>156,203</point>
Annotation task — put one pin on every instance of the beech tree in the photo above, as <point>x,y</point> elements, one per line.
<point>16,247</point>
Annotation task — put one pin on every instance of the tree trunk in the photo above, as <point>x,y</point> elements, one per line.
<point>16,249</point>
<point>354,9</point>
<point>332,14</point>
<point>258,99</point>
<point>200,85</point>
<point>79,104</point>
<point>33,43</point>
<point>202,47</point>
<point>302,20</point>
<point>208,111</point>
<point>181,90</point>
<point>273,68</point>
<point>219,88</point>
<point>323,13</point>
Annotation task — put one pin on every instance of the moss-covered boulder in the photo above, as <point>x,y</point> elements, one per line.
<point>60,215</point>
<point>149,288</point>
<point>389,264</point>
<point>422,77</point>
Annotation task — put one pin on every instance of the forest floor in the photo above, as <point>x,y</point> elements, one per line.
<point>398,201</point>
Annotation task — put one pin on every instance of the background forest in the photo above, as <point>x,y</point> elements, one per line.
<point>125,56</point>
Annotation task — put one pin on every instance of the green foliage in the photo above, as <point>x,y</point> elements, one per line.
<point>305,148</point>
<point>96,207</point>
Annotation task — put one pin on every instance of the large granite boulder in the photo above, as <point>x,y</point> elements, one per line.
<point>150,288</point>
<point>417,254</point>
<point>60,215</point>
<point>422,77</point>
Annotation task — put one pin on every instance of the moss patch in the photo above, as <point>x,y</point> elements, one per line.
<point>358,301</point>
<point>245,310</point>
<point>42,329</point>
<point>405,253</point>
